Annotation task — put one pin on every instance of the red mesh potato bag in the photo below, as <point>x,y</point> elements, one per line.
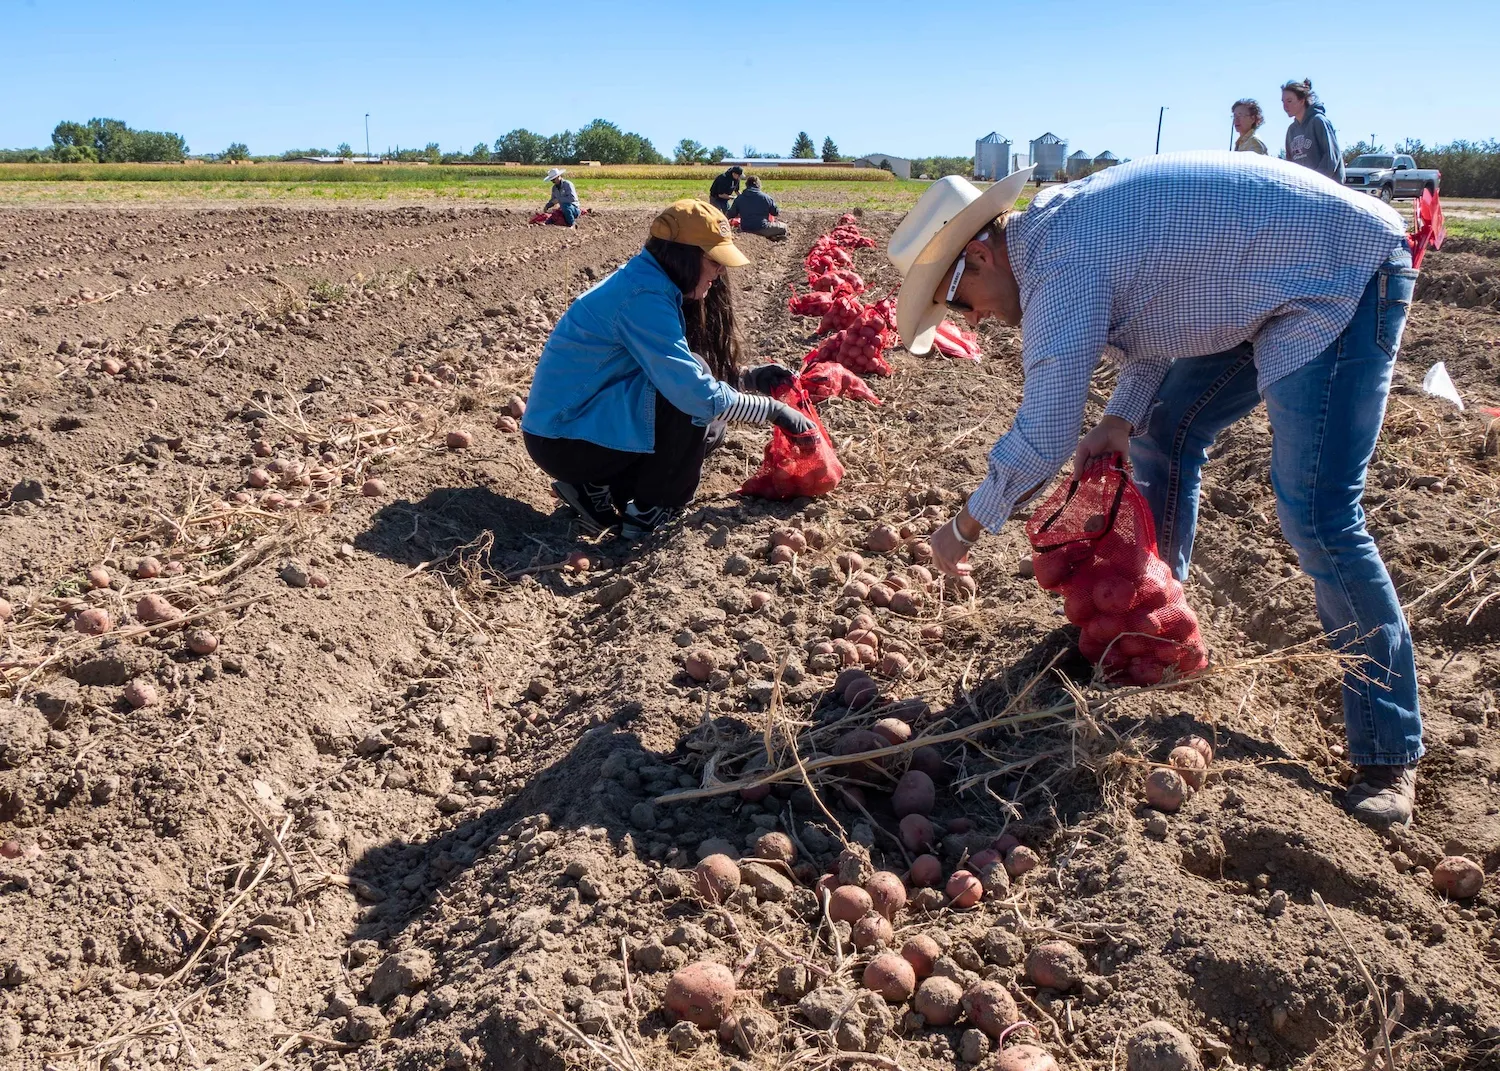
<point>791,469</point>
<point>865,343</point>
<point>1094,542</point>
<point>828,379</point>
<point>842,311</point>
<point>836,278</point>
<point>814,303</point>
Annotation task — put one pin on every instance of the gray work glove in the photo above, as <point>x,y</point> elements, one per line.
<point>791,421</point>
<point>766,378</point>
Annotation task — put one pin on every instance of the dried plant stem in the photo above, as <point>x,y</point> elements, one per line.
<point>1377,995</point>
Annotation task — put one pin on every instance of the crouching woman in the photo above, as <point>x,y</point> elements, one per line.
<point>640,376</point>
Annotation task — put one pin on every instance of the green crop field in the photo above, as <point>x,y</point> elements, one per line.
<point>41,184</point>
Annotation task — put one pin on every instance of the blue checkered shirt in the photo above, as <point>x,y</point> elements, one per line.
<point>1183,255</point>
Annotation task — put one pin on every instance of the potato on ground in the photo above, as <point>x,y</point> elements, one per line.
<point>1157,1045</point>
<point>700,664</point>
<point>1200,745</point>
<point>926,870</point>
<point>887,893</point>
<point>702,993</point>
<point>1166,790</point>
<point>874,930</point>
<point>922,953</point>
<point>917,834</point>
<point>1022,1058</point>
<point>1055,965</point>
<point>155,610</point>
<point>891,976</point>
<point>1189,764</point>
<point>894,730</point>
<point>989,1006</point>
<point>964,889</point>
<point>915,794</point>
<point>849,903</point>
<point>939,1000</point>
<point>1021,860</point>
<point>716,878</point>
<point>777,846</point>
<point>95,621</point>
<point>1458,877</point>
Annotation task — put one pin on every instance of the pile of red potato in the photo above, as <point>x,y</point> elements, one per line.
<point>862,907</point>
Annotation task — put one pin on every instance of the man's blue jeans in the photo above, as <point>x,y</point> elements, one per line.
<point>1325,418</point>
<point>569,213</point>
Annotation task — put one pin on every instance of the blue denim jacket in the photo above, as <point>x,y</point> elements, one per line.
<point>618,345</point>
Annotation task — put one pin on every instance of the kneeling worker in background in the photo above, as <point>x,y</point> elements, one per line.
<point>1295,295</point>
<point>640,376</point>
<point>725,188</point>
<point>755,209</point>
<point>564,197</point>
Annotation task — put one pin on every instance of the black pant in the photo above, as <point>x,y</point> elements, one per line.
<point>668,476</point>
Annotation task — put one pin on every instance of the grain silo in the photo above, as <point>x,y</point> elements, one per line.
<point>1050,154</point>
<point>1106,159</point>
<point>1079,164</point>
<point>992,157</point>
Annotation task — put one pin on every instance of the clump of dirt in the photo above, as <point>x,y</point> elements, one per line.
<point>432,797</point>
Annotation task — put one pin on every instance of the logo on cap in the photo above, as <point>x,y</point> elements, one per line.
<point>724,228</point>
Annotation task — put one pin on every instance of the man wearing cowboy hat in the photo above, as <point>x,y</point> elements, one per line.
<point>564,197</point>
<point>1215,282</point>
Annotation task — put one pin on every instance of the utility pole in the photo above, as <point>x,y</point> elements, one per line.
<point>1159,116</point>
<point>367,137</point>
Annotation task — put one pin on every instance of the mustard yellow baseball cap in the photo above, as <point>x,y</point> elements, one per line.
<point>697,223</point>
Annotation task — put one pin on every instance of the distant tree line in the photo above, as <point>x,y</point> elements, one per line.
<point>111,141</point>
<point>106,141</point>
<point>942,166</point>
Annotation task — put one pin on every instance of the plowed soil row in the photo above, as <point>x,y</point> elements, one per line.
<point>409,813</point>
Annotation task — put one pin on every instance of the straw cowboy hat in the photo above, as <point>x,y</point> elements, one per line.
<point>555,173</point>
<point>929,240</point>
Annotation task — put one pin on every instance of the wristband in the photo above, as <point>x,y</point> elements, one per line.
<point>959,535</point>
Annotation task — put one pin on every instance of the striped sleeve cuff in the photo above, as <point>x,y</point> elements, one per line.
<point>749,408</point>
<point>1135,392</point>
<point>1016,469</point>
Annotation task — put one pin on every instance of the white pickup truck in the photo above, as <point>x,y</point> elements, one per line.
<point>1390,176</point>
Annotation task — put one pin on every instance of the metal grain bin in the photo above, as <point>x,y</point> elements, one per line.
<point>1050,155</point>
<point>992,157</point>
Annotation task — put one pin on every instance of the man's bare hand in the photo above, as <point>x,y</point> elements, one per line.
<point>1110,436</point>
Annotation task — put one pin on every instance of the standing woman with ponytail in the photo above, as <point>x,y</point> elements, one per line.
<point>1311,140</point>
<point>640,376</point>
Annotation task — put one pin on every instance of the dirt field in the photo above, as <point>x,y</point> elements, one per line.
<point>407,813</point>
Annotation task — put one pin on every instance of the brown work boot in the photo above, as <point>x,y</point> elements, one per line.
<point>1383,796</point>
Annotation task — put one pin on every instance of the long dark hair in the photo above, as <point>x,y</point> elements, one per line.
<point>711,329</point>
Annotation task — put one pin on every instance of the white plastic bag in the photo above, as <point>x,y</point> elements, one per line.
<point>1438,383</point>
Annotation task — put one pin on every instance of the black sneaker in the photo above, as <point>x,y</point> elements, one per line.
<point>641,521</point>
<point>1383,796</point>
<point>591,501</point>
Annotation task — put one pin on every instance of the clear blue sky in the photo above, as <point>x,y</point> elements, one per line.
<point>901,78</point>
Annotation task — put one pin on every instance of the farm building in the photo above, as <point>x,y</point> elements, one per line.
<point>1106,159</point>
<point>1079,164</point>
<point>897,165</point>
<point>1050,154</point>
<point>336,160</point>
<point>992,157</point>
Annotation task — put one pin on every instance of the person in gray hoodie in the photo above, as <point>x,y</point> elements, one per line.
<point>1311,140</point>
